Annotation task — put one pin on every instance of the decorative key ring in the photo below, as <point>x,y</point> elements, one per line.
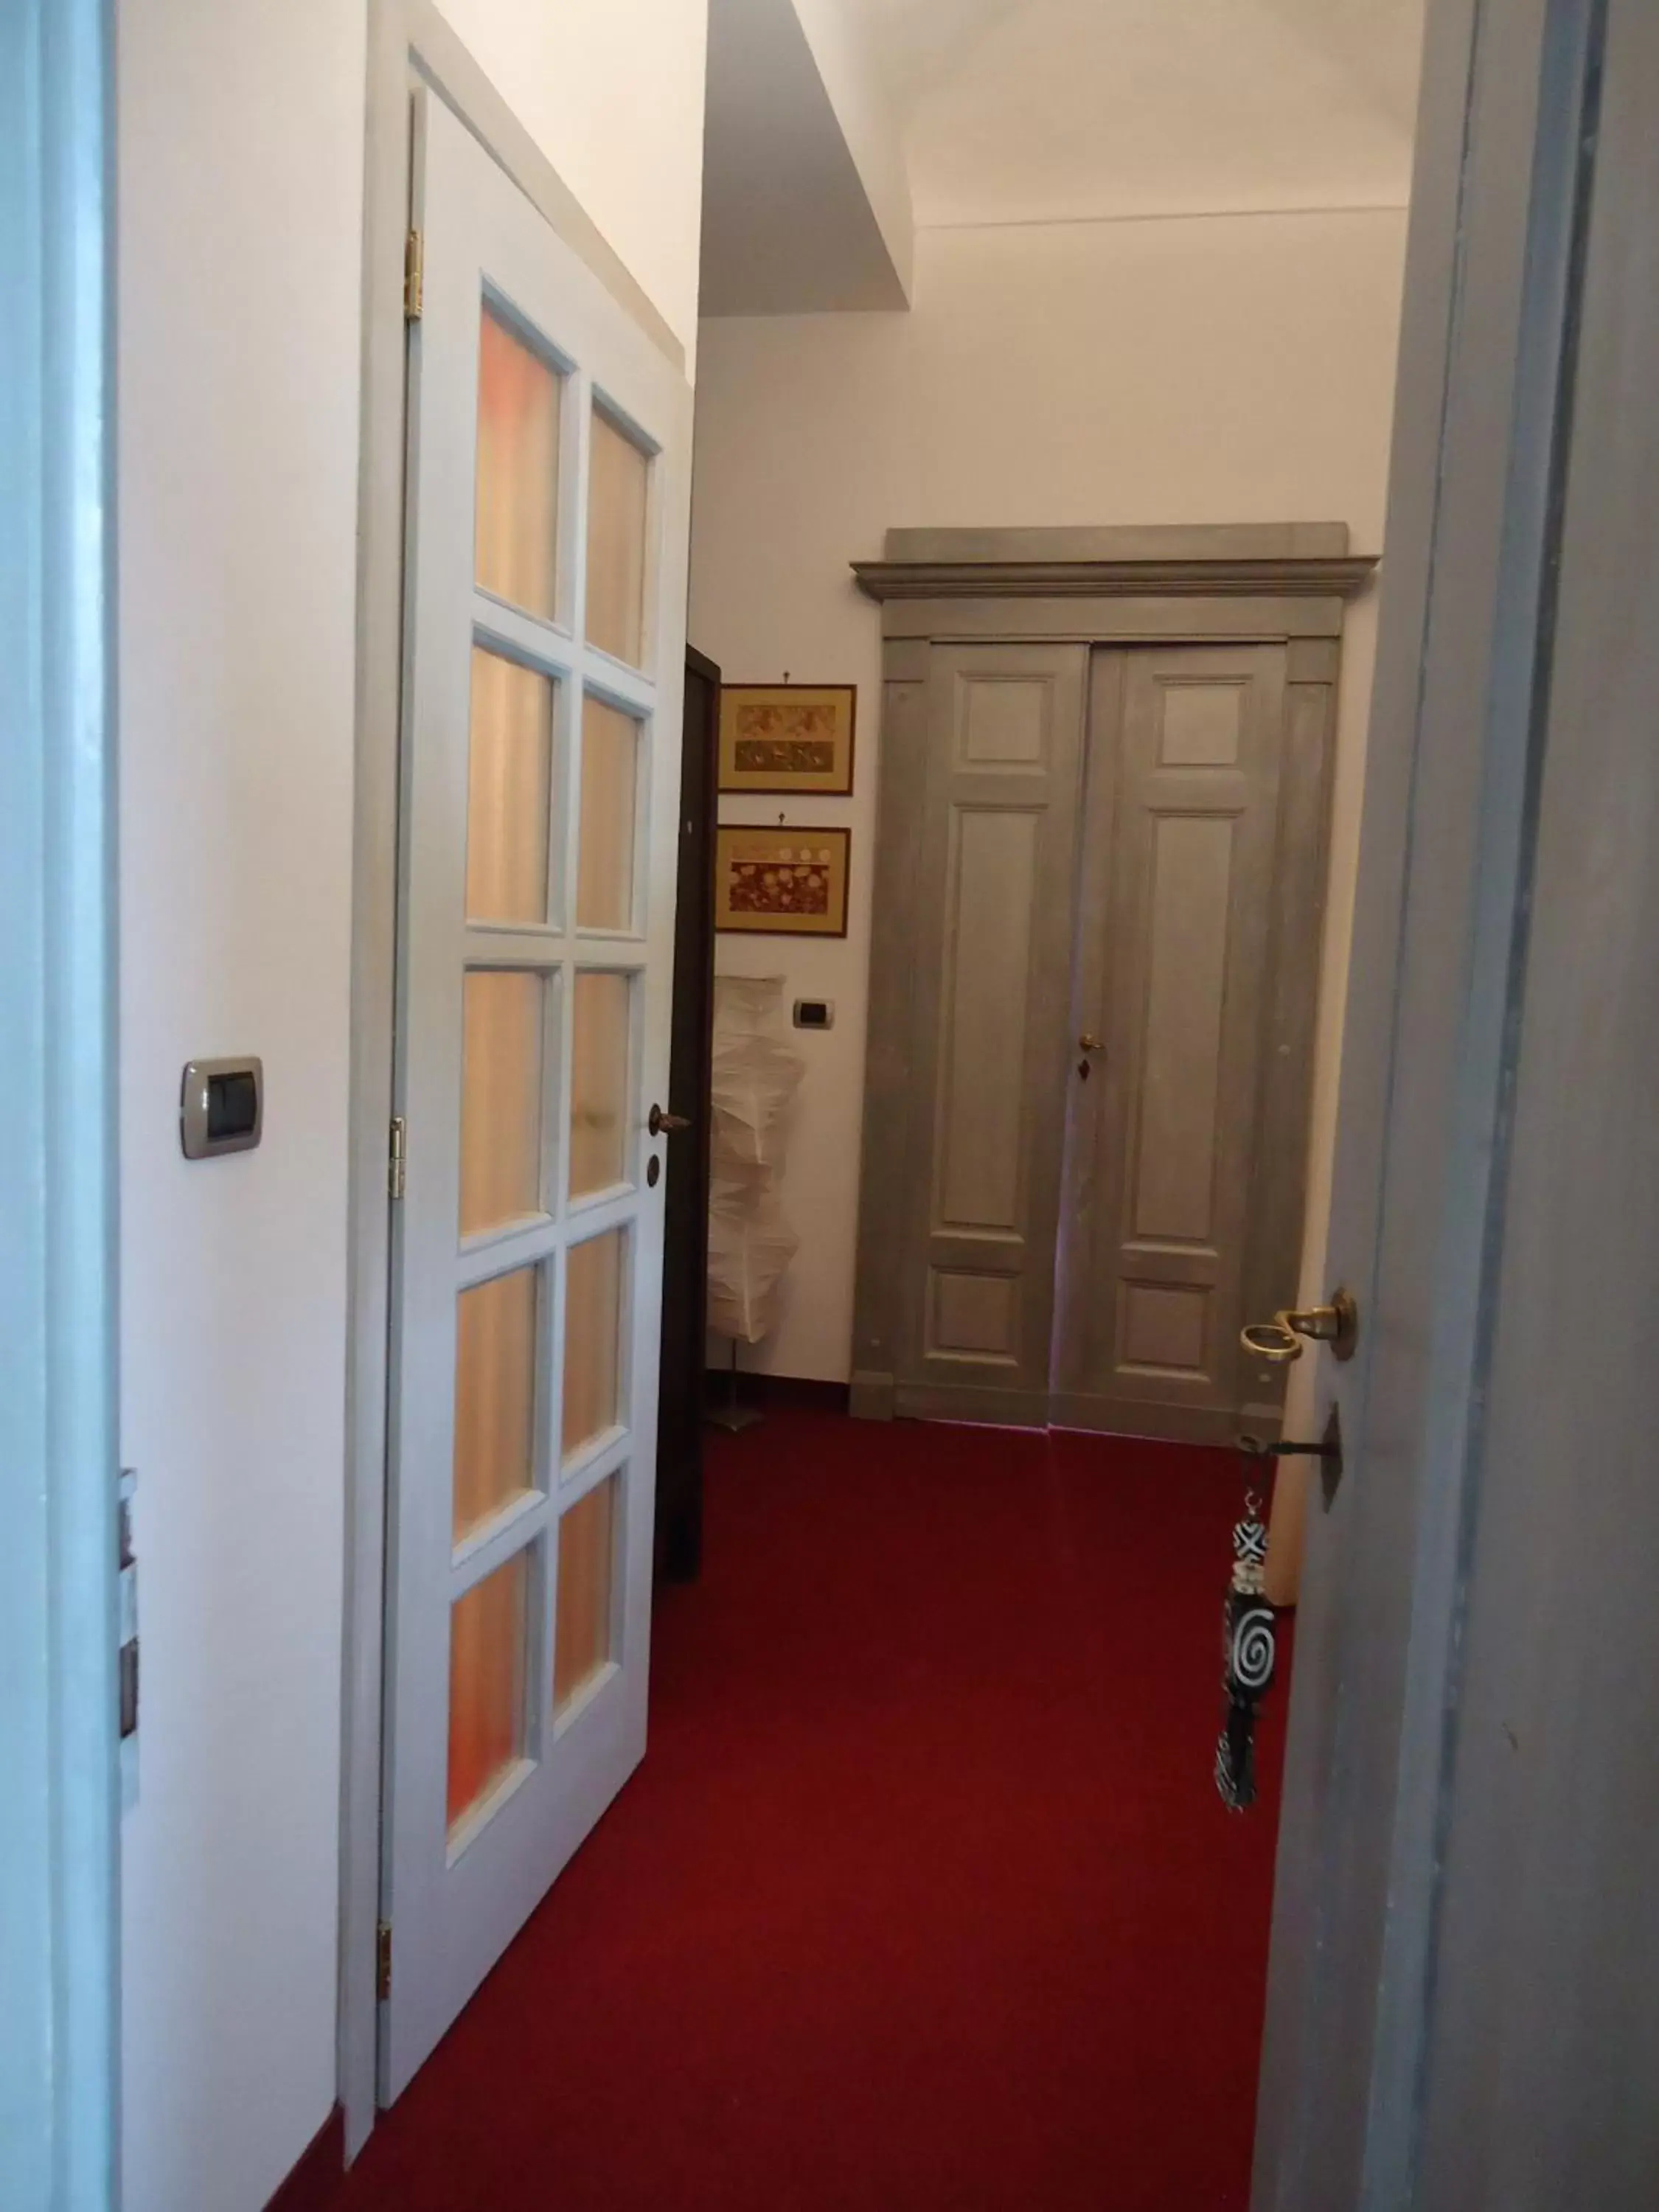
<point>1249,1652</point>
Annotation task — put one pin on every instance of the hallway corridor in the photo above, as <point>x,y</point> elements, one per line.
<point>923,1899</point>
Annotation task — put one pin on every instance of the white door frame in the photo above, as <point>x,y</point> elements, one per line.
<point>1423,1126</point>
<point>59,1807</point>
<point>409,44</point>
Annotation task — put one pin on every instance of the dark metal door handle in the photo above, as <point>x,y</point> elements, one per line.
<point>660,1124</point>
<point>1327,1451</point>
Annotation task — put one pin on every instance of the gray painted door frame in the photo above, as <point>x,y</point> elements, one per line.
<point>1462,2006</point>
<point>59,1807</point>
<point>1039,600</point>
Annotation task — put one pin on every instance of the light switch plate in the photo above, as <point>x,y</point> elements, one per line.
<point>222,1107</point>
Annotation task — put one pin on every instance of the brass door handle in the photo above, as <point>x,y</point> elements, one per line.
<point>660,1124</point>
<point>1087,1043</point>
<point>1279,1341</point>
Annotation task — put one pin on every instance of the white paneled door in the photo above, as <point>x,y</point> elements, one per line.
<point>544,601</point>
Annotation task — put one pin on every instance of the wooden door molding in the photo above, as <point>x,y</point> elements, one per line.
<point>1271,583</point>
<point>1293,560</point>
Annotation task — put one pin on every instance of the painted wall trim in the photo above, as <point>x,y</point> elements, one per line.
<point>1130,541</point>
<point>1146,616</point>
<point>409,43</point>
<point>1220,560</point>
<point>59,1817</point>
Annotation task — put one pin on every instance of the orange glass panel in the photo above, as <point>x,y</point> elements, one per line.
<point>501,1097</point>
<point>599,1081</point>
<point>487,1648</point>
<point>581,1624</point>
<point>593,1338</point>
<point>605,861</point>
<point>509,777</point>
<point>617,476</point>
<point>517,525</point>
<point>495,1396</point>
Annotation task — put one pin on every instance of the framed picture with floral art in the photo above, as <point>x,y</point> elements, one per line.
<point>783,882</point>
<point>788,737</point>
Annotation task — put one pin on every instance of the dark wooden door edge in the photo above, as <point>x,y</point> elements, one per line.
<point>776,1390</point>
<point>315,2181</point>
<point>690,1079</point>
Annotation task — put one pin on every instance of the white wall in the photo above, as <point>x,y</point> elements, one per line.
<point>612,91</point>
<point>241,157</point>
<point>1196,370</point>
<point>241,161</point>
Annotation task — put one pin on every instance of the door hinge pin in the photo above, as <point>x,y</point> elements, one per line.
<point>412,273</point>
<point>383,1960</point>
<point>397,1156</point>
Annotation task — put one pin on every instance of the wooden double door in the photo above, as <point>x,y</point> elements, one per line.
<point>1099,1086</point>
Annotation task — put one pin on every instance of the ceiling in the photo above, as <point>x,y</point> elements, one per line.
<point>1028,111</point>
<point>797,201</point>
<point>1022,111</point>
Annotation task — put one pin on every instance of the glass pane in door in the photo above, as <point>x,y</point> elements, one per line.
<point>487,1686</point>
<point>509,779</point>
<point>599,1081</point>
<point>605,861</point>
<point>495,1396</point>
<point>593,1339</point>
<point>618,478</point>
<point>581,1623</point>
<point>501,1097</point>
<point>516,525</point>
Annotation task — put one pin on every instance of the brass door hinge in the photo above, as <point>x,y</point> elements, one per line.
<point>383,1960</point>
<point>397,1156</point>
<point>412,278</point>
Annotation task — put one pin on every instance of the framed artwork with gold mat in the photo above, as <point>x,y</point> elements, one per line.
<point>787,738</point>
<point>783,882</point>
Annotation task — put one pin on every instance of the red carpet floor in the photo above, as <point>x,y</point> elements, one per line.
<point>923,1898</point>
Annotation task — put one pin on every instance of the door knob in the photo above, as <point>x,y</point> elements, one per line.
<point>1279,1341</point>
<point>660,1124</point>
<point>1087,1043</point>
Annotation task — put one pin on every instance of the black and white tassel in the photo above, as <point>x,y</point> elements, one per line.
<point>1250,1648</point>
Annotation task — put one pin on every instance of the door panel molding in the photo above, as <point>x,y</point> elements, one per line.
<point>410,45</point>
<point>987,1045</point>
<point>1299,559</point>
<point>1174,925</point>
<point>495,1768</point>
<point>1005,594</point>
